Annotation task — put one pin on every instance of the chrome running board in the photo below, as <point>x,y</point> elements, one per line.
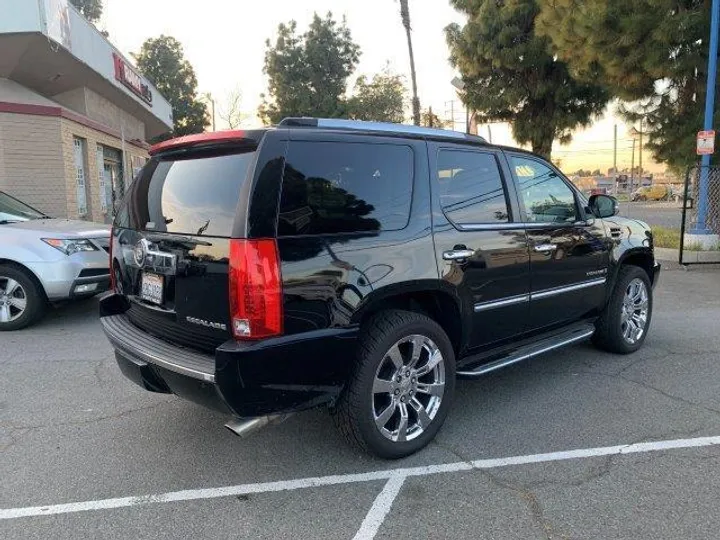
<point>568,337</point>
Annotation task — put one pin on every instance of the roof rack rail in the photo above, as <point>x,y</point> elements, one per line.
<point>362,125</point>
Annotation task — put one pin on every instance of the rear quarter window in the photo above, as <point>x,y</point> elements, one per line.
<point>338,187</point>
<point>194,196</point>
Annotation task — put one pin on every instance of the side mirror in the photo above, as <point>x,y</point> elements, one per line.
<point>604,206</point>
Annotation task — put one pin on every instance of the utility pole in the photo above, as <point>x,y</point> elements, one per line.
<point>641,133</point>
<point>208,97</point>
<point>632,176</point>
<point>701,227</point>
<point>615,172</point>
<point>452,113</point>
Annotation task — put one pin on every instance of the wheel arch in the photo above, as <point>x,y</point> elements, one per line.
<point>21,267</point>
<point>641,257</point>
<point>431,298</point>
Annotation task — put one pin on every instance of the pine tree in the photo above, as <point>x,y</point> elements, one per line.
<point>652,54</point>
<point>511,75</point>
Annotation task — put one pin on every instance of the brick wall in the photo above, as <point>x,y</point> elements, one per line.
<point>32,162</point>
<point>107,113</point>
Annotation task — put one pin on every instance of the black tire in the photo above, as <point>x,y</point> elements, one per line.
<point>34,298</point>
<point>609,328</point>
<point>354,413</point>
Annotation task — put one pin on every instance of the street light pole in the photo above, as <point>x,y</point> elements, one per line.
<point>208,96</point>
<point>701,226</point>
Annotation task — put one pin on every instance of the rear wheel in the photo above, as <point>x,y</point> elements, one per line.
<point>21,300</point>
<point>623,326</point>
<point>402,386</point>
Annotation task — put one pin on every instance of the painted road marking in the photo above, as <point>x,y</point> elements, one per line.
<point>380,508</point>
<point>302,483</point>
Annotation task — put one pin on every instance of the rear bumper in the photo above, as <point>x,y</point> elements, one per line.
<point>281,375</point>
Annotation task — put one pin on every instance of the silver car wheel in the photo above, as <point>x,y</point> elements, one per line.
<point>408,388</point>
<point>634,316</point>
<point>13,300</point>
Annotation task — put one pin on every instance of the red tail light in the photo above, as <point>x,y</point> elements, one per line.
<point>112,270</point>
<point>256,309</point>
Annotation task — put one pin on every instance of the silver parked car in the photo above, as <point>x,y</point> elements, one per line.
<point>45,260</point>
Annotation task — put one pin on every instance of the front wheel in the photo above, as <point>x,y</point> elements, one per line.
<point>623,326</point>
<point>21,300</point>
<point>401,389</point>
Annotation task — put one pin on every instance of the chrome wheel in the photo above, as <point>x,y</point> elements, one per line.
<point>13,300</point>
<point>408,388</point>
<point>634,314</point>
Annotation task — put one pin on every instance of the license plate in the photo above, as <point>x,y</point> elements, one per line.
<point>151,288</point>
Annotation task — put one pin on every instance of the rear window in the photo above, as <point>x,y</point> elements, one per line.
<point>332,187</point>
<point>193,196</point>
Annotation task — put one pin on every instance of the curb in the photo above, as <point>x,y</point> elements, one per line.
<point>667,254</point>
<point>673,255</point>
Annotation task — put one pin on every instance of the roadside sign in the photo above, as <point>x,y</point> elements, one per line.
<point>706,142</point>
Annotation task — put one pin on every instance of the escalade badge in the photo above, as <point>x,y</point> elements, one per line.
<point>208,324</point>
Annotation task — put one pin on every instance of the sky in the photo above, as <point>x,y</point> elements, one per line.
<point>224,40</point>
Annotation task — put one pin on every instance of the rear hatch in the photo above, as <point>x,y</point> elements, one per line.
<point>171,239</point>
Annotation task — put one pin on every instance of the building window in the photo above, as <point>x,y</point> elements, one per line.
<point>111,175</point>
<point>138,162</point>
<point>79,148</point>
<point>104,198</point>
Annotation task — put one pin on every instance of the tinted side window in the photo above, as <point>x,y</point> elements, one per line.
<point>471,189</point>
<point>547,198</point>
<point>333,187</point>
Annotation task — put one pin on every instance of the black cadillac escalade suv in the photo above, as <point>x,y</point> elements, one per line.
<point>363,267</point>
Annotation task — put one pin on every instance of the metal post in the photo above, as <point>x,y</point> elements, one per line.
<point>701,226</point>
<point>212,101</point>
<point>452,113</point>
<point>489,134</point>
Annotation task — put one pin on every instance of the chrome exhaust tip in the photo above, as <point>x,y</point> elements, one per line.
<point>244,427</point>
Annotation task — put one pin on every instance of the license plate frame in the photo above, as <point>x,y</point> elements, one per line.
<point>152,288</point>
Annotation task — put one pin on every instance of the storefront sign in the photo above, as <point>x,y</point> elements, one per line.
<point>705,142</point>
<point>131,79</point>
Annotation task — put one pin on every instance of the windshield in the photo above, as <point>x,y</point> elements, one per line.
<point>11,209</point>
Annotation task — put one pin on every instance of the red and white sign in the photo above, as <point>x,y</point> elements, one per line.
<point>131,79</point>
<point>706,142</point>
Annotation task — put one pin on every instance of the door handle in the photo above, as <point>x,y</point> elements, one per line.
<point>545,248</point>
<point>455,254</point>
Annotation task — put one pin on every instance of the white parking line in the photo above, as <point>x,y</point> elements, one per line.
<point>380,508</point>
<point>302,483</point>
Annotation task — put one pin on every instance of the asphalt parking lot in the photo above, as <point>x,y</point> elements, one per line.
<point>85,454</point>
<point>665,214</point>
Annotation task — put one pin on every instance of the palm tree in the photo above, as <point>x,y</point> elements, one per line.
<point>405,16</point>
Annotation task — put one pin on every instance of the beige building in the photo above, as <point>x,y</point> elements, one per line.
<point>75,115</point>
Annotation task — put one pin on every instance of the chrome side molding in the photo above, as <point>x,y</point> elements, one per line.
<point>547,293</point>
<point>511,300</point>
